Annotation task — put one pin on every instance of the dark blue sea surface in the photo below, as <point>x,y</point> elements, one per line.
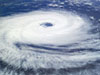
<point>8,7</point>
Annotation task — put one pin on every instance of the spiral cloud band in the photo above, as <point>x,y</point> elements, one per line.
<point>35,28</point>
<point>43,38</point>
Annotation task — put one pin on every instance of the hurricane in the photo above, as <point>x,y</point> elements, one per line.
<point>49,42</point>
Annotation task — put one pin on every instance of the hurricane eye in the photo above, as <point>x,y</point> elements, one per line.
<point>47,24</point>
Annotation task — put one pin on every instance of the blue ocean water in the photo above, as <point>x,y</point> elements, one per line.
<point>8,7</point>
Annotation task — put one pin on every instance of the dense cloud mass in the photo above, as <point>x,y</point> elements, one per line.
<point>49,37</point>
